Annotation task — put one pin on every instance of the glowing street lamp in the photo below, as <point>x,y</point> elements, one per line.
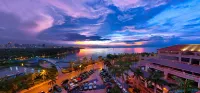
<point>80,67</point>
<point>22,64</point>
<point>165,90</point>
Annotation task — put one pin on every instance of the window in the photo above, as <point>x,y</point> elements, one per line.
<point>187,53</point>
<point>185,59</point>
<point>195,61</point>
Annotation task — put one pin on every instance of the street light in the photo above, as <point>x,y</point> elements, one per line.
<point>80,67</point>
<point>22,64</point>
<point>43,71</point>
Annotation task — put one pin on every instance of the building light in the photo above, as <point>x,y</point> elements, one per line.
<point>183,49</point>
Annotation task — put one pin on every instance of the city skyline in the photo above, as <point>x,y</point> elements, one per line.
<point>109,23</point>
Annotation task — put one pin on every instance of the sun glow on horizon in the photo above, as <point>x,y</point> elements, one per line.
<point>106,43</point>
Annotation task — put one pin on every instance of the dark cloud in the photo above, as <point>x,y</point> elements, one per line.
<point>70,37</point>
<point>78,37</point>
<point>133,41</point>
<point>153,38</point>
<point>192,25</point>
<point>8,20</point>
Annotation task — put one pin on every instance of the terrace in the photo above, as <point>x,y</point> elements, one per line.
<point>174,67</point>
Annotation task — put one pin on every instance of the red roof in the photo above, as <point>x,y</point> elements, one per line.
<point>188,47</point>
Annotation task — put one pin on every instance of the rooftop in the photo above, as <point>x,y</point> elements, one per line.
<point>188,47</point>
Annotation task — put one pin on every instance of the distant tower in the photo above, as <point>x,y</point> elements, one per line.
<point>9,45</point>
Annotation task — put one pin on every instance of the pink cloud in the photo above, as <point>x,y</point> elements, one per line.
<point>38,15</point>
<point>127,4</point>
<point>79,8</point>
<point>39,24</point>
<point>33,16</point>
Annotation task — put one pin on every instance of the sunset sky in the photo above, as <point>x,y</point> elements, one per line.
<point>100,22</point>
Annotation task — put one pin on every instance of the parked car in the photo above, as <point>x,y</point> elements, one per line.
<point>65,86</point>
<point>120,86</point>
<point>94,86</point>
<point>108,84</point>
<point>75,80</point>
<point>86,86</point>
<point>81,88</point>
<point>79,79</point>
<point>90,86</point>
<point>65,81</point>
<point>108,90</point>
<point>124,90</point>
<point>50,90</point>
<point>95,82</point>
<point>57,88</point>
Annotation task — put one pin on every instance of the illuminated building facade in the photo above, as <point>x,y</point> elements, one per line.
<point>182,61</point>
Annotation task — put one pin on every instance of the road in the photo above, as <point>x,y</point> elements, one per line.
<point>61,77</point>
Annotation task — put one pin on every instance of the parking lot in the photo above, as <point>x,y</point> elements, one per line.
<point>93,79</point>
<point>45,86</point>
<point>100,86</point>
<point>85,82</point>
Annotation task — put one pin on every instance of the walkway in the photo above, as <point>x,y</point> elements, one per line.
<point>53,61</point>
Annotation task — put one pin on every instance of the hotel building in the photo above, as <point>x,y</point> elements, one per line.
<point>182,61</point>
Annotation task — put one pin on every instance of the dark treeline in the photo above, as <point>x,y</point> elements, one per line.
<point>32,52</point>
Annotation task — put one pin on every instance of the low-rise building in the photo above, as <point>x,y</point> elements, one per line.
<point>182,61</point>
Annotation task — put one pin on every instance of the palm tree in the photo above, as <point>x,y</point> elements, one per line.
<point>119,69</point>
<point>34,75</point>
<point>100,58</point>
<point>81,67</point>
<point>109,56</point>
<point>125,67</point>
<point>183,85</point>
<point>14,87</point>
<point>155,78</point>
<point>137,75</point>
<point>85,60</point>
<point>52,81</point>
<point>115,89</point>
<point>91,61</point>
<point>4,85</point>
<point>136,90</point>
<point>114,71</point>
<point>78,61</point>
<point>43,74</point>
<point>72,65</point>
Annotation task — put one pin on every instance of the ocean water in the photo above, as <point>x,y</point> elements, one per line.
<point>95,52</point>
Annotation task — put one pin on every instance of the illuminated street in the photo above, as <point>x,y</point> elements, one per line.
<point>45,86</point>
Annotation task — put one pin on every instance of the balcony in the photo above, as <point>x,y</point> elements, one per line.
<point>167,54</point>
<point>176,72</point>
<point>178,55</point>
